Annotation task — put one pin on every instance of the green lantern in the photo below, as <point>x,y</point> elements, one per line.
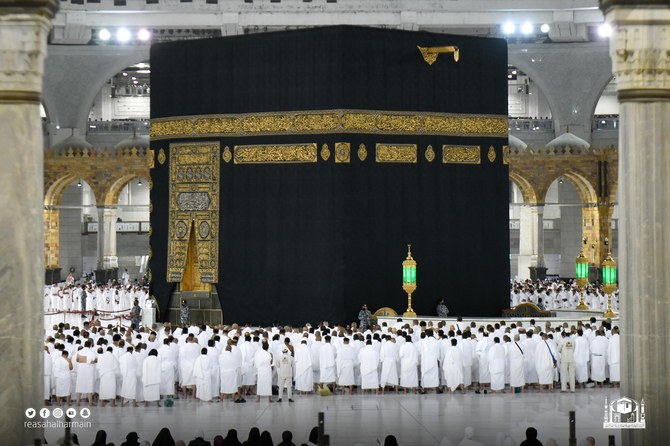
<point>609,280</point>
<point>409,280</point>
<point>582,275</point>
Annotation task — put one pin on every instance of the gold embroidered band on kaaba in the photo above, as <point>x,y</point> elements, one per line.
<point>330,121</point>
<point>275,153</point>
<point>194,203</point>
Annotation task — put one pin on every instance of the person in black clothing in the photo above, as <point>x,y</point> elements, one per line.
<point>231,439</point>
<point>100,438</point>
<point>164,438</point>
<point>131,440</point>
<point>531,438</point>
<point>254,438</point>
<point>286,438</point>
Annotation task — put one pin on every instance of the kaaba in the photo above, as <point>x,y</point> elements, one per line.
<point>294,168</point>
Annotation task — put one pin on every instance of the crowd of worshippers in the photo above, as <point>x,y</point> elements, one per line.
<point>89,296</point>
<point>228,363</point>
<point>559,295</point>
<point>255,438</point>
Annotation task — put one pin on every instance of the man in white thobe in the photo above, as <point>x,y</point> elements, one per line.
<point>62,369</point>
<point>582,356</point>
<point>453,367</point>
<point>529,346</point>
<point>168,361</point>
<point>202,373</point>
<point>85,359</point>
<point>151,378</point>
<point>108,369</point>
<point>128,367</point>
<point>368,359</point>
<point>346,361</point>
<point>304,377</point>
<point>429,354</point>
<point>482,358</point>
<point>517,365</point>
<point>188,353</point>
<point>48,371</point>
<point>466,346</point>
<point>230,365</point>
<point>497,359</point>
<point>389,360</point>
<point>263,366</point>
<point>614,357</point>
<point>545,362</point>
<point>598,349</point>
<point>409,363</point>
<point>327,365</point>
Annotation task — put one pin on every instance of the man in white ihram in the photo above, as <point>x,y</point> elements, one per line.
<point>285,363</point>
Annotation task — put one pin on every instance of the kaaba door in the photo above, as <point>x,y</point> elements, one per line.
<point>191,279</point>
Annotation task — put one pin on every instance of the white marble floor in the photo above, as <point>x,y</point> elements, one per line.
<point>363,420</point>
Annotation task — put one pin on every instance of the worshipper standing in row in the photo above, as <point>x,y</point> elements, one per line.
<point>566,350</point>
<point>368,358</point>
<point>284,365</point>
<point>545,363</point>
<point>346,362</point>
<point>263,366</point>
<point>151,378</point>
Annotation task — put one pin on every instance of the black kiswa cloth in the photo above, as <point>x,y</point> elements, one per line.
<point>305,242</point>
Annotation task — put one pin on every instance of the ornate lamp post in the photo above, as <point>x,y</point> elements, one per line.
<point>409,280</point>
<point>609,280</point>
<point>582,274</point>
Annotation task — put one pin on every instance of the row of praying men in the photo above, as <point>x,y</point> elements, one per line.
<point>91,297</point>
<point>228,361</point>
<point>560,295</point>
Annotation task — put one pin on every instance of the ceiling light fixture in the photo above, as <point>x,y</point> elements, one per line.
<point>545,28</point>
<point>605,30</point>
<point>508,28</point>
<point>527,28</point>
<point>143,35</point>
<point>79,183</point>
<point>123,35</point>
<point>104,35</point>
<point>139,183</point>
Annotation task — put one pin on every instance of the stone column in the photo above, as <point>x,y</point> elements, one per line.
<point>24,27</point>
<point>531,241</point>
<point>52,244</point>
<point>107,259</point>
<point>640,51</point>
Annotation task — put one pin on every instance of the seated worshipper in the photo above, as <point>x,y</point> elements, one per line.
<point>286,439</point>
<point>164,438</point>
<point>531,438</point>
<point>131,440</point>
<point>442,310</point>
<point>151,378</point>
<point>202,372</point>
<point>231,439</point>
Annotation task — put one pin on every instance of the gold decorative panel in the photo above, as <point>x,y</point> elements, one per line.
<point>461,155</point>
<point>330,121</point>
<point>362,152</point>
<point>342,152</point>
<point>227,154</point>
<point>161,156</point>
<point>325,152</point>
<point>505,151</point>
<point>430,154</point>
<point>194,202</point>
<point>396,153</point>
<point>492,154</point>
<point>276,153</point>
<point>150,158</point>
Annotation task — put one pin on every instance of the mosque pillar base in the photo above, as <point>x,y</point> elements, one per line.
<point>52,275</point>
<point>105,275</point>
<point>204,308</point>
<point>538,272</point>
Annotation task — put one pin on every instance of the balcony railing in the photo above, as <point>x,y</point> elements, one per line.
<point>605,122</point>
<point>531,125</point>
<point>140,127</point>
